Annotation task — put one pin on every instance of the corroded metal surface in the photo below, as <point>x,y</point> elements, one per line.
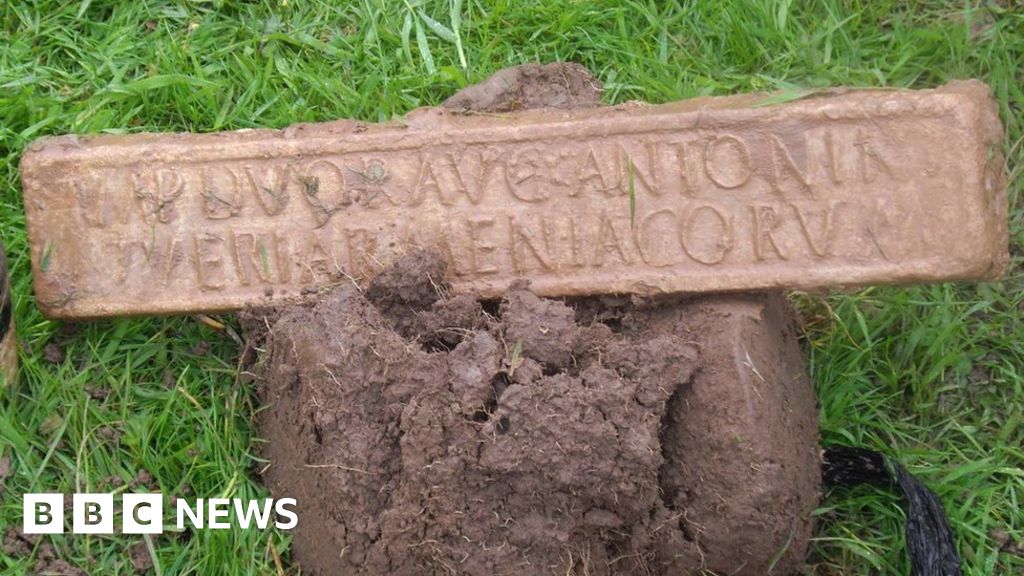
<point>844,188</point>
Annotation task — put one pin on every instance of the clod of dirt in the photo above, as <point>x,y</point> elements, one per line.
<point>533,442</point>
<point>53,353</point>
<point>1006,543</point>
<point>5,469</point>
<point>98,392</point>
<point>17,544</point>
<point>545,330</point>
<point>143,481</point>
<point>413,283</point>
<point>109,434</point>
<point>141,561</point>
<point>447,322</point>
<point>202,348</point>
<point>554,85</point>
<point>56,567</point>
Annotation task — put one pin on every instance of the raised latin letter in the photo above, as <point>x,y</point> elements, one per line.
<point>315,263</point>
<point>158,193</point>
<point>644,169</point>
<point>706,235</point>
<point>727,161</point>
<point>766,220</point>
<point>685,168</point>
<point>470,180</point>
<point>222,198</point>
<point>427,183</point>
<point>525,176</point>
<point>608,241</point>
<point>325,191</point>
<point>832,158</point>
<point>521,235</point>
<point>257,258</point>
<point>209,261</point>
<point>590,179</point>
<point>820,242</point>
<point>362,250</point>
<point>270,187</point>
<point>654,245</point>
<point>783,164</point>
<point>479,249</point>
<point>91,194</point>
<point>870,162</point>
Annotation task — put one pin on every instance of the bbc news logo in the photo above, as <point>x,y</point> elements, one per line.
<point>144,513</point>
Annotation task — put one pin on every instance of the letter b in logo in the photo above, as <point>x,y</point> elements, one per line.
<point>43,514</point>
<point>93,514</point>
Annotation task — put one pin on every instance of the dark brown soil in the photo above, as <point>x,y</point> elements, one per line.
<point>554,85</point>
<point>17,544</point>
<point>140,559</point>
<point>53,353</point>
<point>5,470</point>
<point>422,435</point>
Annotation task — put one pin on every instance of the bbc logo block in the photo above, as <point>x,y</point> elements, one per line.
<point>143,513</point>
<point>43,514</point>
<point>92,513</point>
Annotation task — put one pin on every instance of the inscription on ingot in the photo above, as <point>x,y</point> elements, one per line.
<point>849,189</point>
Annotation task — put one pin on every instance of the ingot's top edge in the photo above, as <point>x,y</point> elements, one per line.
<point>436,121</point>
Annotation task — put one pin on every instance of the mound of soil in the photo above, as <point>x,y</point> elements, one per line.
<point>423,433</point>
<point>553,85</point>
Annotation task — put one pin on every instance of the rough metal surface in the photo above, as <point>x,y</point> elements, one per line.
<point>842,188</point>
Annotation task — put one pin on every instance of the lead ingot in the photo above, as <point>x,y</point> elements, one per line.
<point>845,188</point>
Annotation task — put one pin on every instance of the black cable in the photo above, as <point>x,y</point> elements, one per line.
<point>929,538</point>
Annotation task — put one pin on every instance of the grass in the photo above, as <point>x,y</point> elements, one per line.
<point>931,375</point>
